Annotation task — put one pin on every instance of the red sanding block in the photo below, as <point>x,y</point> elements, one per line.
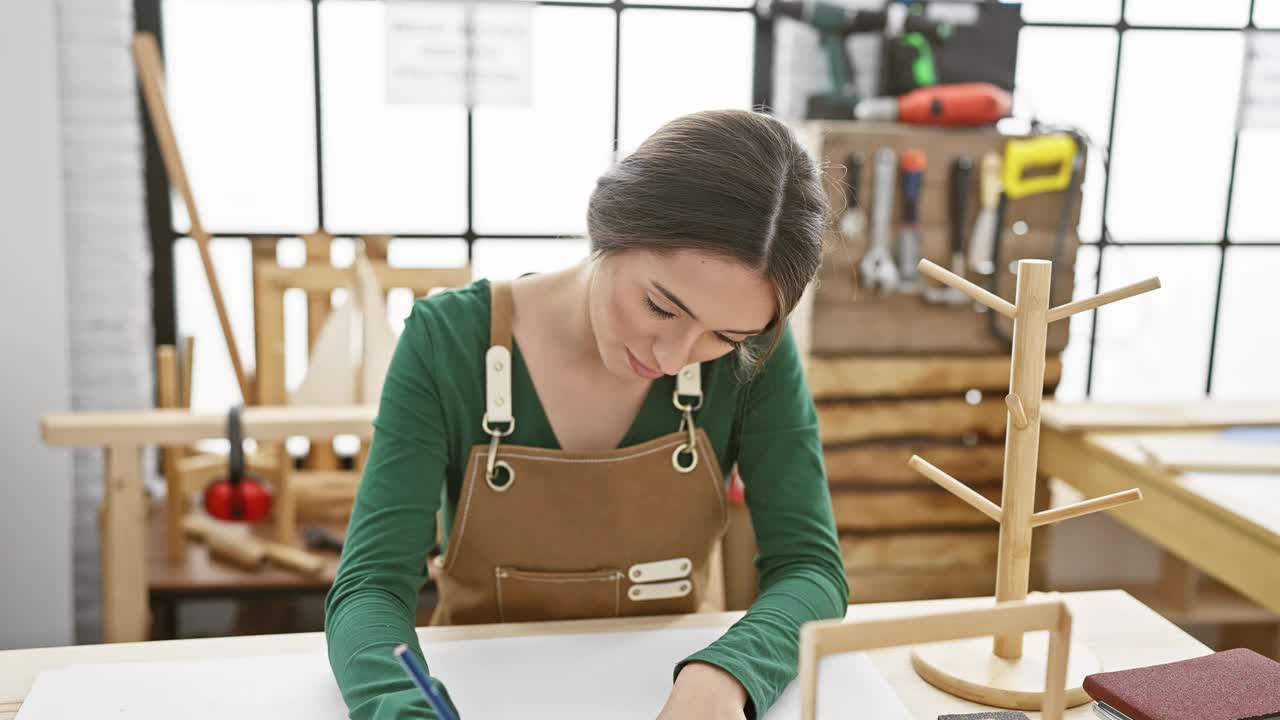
<point>1230,685</point>
<point>990,715</point>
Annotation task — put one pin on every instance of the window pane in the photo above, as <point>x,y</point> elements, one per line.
<point>507,259</point>
<point>388,168</point>
<point>214,387</point>
<point>1076,93</point>
<point>679,61</point>
<point>703,3</point>
<point>1244,366</point>
<point>1214,13</point>
<point>1255,216</point>
<point>1103,12</point>
<point>1266,13</point>
<point>535,167</point>
<point>413,252</point>
<point>1156,346</point>
<point>1075,357</point>
<point>239,88</point>
<point>1172,151</point>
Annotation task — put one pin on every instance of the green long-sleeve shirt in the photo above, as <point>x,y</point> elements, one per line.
<point>429,418</point>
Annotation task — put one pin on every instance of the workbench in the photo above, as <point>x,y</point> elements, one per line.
<point>1225,524</point>
<point>1120,630</point>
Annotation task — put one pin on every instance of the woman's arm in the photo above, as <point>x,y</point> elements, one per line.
<point>802,575</point>
<point>372,606</point>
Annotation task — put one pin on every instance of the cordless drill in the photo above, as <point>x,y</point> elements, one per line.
<point>835,23</point>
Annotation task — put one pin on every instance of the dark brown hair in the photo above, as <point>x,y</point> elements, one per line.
<point>732,183</point>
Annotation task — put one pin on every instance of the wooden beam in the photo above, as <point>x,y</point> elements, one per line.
<point>886,463</point>
<point>419,280</point>
<point>893,585</point>
<point>168,427</point>
<point>865,377</point>
<point>919,551</point>
<point>871,420</point>
<point>1103,417</point>
<point>125,615</point>
<point>907,509</point>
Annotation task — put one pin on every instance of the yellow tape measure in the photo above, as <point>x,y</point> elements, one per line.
<point>1037,165</point>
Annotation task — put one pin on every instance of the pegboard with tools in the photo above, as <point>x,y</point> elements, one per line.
<point>973,200</point>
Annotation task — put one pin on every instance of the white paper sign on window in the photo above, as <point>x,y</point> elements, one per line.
<point>460,52</point>
<point>1260,91</point>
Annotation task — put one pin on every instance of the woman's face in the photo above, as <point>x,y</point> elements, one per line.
<point>653,313</point>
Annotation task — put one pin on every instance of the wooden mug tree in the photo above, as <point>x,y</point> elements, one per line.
<point>969,668</point>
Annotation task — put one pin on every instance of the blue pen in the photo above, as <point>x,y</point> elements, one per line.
<point>420,679</point>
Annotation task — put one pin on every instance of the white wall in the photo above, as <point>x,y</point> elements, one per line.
<point>35,481</point>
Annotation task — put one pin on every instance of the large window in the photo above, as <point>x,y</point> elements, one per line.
<point>279,106</point>
<point>280,109</point>
<point>1181,195</point>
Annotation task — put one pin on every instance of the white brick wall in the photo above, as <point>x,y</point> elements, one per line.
<point>35,488</point>
<point>108,258</point>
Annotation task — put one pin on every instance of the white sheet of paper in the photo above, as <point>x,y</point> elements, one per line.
<point>563,677</point>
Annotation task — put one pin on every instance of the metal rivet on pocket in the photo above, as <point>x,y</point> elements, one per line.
<point>636,574</point>
<point>684,567</point>
<point>684,587</point>
<point>635,593</point>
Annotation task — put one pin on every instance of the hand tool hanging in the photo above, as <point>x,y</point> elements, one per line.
<point>237,497</point>
<point>853,221</point>
<point>983,240</point>
<point>913,165</point>
<point>961,172</point>
<point>877,265</point>
<point>1032,166</point>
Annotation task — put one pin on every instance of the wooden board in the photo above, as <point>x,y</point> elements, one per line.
<point>909,509</point>
<point>893,585</point>
<point>927,551</point>
<point>860,377</point>
<point>886,464</point>
<point>1211,454</point>
<point>197,572</point>
<point>904,325</point>
<point>1206,414</point>
<point>847,422</point>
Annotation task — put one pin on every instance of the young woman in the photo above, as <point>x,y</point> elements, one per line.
<point>573,430</point>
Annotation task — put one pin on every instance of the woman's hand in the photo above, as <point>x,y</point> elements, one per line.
<point>705,692</point>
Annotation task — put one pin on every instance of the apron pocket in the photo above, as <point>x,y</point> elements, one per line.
<point>530,596</point>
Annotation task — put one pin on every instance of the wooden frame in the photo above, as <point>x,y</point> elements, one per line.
<point>820,639</point>
<point>123,436</point>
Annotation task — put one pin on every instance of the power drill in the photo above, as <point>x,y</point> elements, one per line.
<point>834,23</point>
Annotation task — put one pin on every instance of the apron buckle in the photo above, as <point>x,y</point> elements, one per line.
<point>493,465</point>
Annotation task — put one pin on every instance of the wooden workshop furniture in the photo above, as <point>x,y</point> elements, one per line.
<point>124,436</point>
<point>902,536</point>
<point>1122,631</point>
<point>835,637</point>
<point>895,375</point>
<point>1220,533</point>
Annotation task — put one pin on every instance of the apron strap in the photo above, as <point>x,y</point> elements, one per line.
<point>500,318</point>
<point>497,361</point>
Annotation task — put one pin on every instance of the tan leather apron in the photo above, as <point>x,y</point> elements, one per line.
<point>553,535</point>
